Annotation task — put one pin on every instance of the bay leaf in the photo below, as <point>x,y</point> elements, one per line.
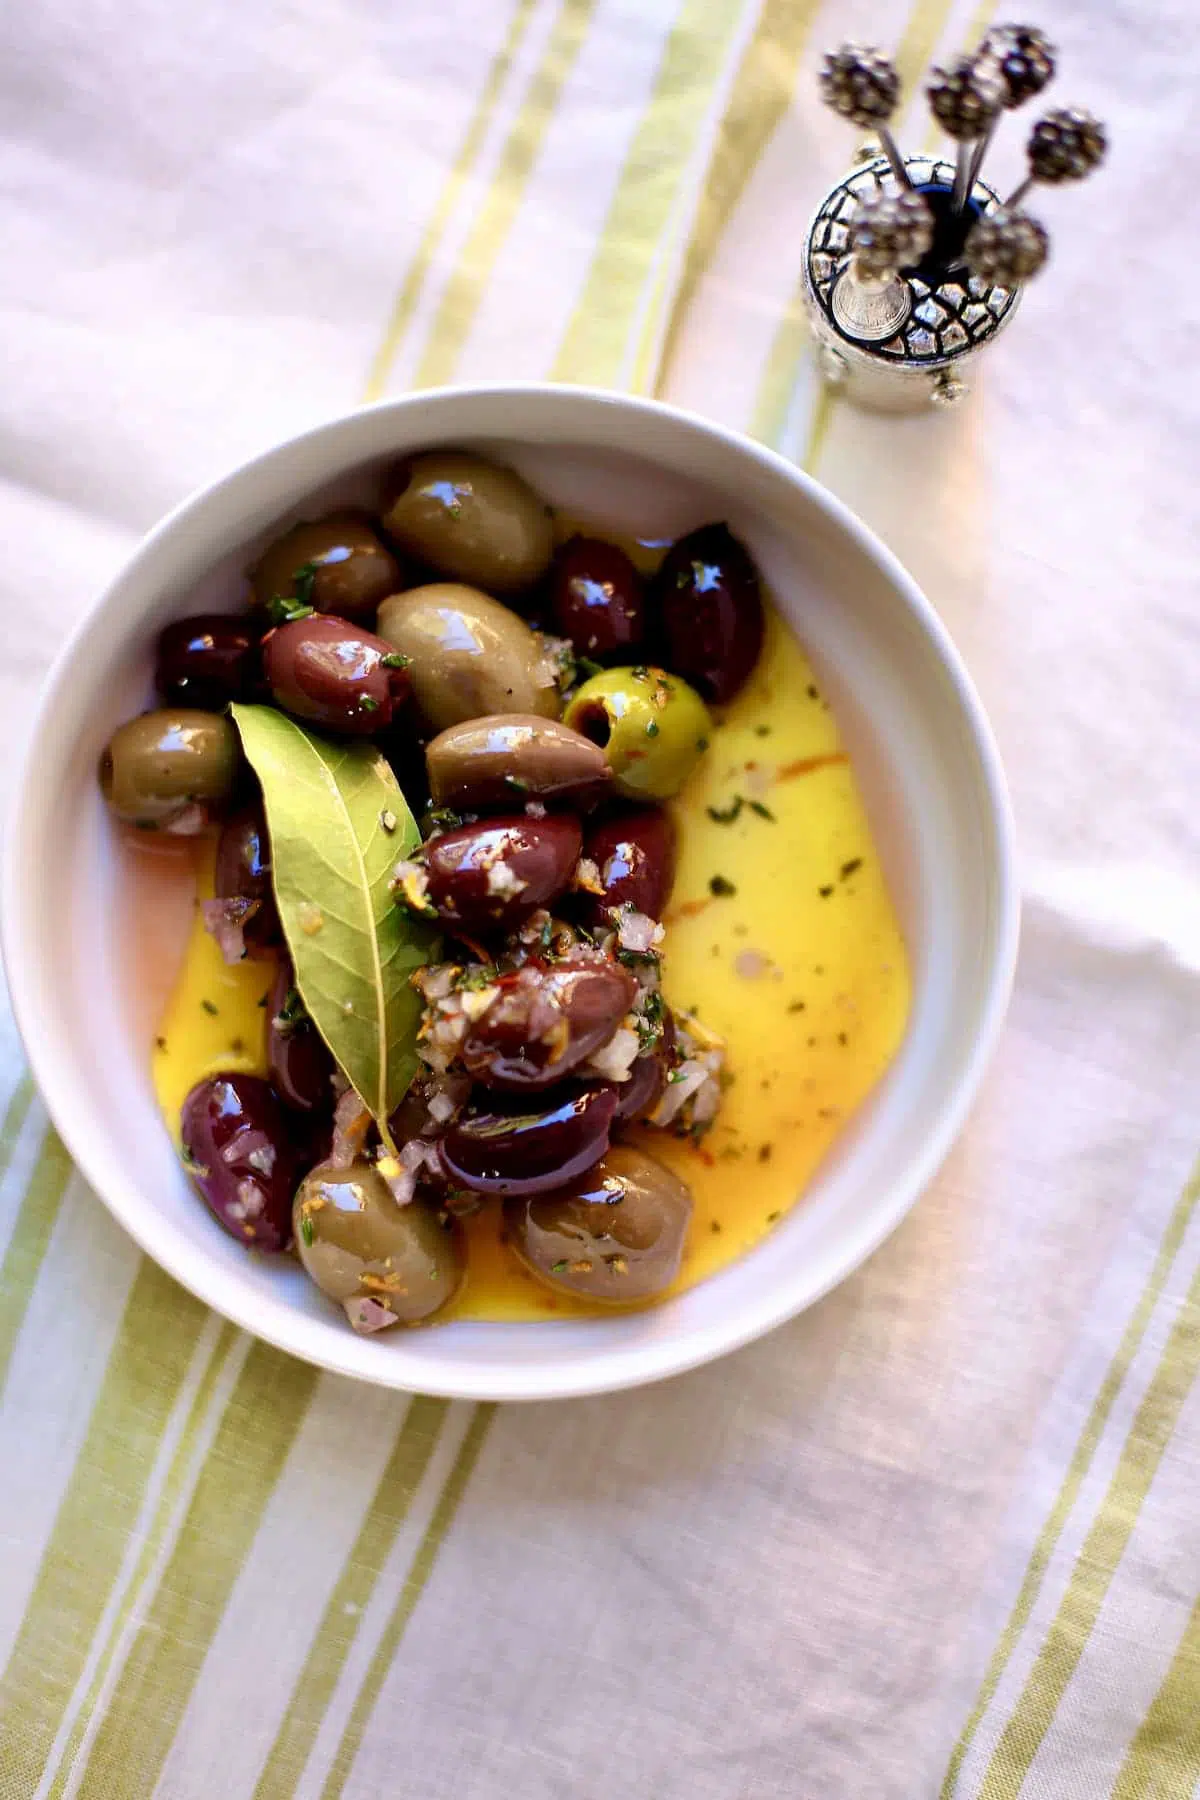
<point>338,824</point>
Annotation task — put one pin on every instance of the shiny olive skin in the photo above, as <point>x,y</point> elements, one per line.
<point>354,568</point>
<point>495,762</point>
<point>333,674</point>
<point>708,604</point>
<point>652,727</point>
<point>545,1021</point>
<point>530,1152</point>
<point>243,872</point>
<point>357,1244</point>
<point>634,851</point>
<point>597,598</point>
<point>157,766</point>
<point>242,1155</point>
<point>468,655</point>
<point>471,520</point>
<point>614,1234</point>
<point>491,876</point>
<point>207,661</point>
<point>298,1061</point>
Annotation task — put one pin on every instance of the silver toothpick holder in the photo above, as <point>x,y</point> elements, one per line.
<point>907,344</point>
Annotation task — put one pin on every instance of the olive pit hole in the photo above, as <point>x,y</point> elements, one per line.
<point>593,723</point>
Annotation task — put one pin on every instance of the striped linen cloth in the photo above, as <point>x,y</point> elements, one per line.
<point>939,1537</point>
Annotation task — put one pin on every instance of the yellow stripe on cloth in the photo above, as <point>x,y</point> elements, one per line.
<point>1164,1758</point>
<point>1081,1461</point>
<point>464,162</point>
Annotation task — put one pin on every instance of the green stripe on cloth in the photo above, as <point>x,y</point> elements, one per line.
<point>157,1339</point>
<point>1164,1758</point>
<point>451,188</point>
<point>1097,1562</point>
<point>1081,1461</point>
<point>34,1227</point>
<point>339,1624</point>
<point>463,292</point>
<point>762,92</point>
<point>597,337</point>
<point>257,1431</point>
<point>414,1587</point>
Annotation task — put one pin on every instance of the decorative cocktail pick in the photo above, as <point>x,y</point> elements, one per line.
<point>1025,60</point>
<point>1006,247</point>
<point>860,82</point>
<point>889,232</point>
<point>1065,145</point>
<point>966,101</point>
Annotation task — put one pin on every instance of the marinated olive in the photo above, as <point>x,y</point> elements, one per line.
<point>337,564</point>
<point>529,1153</point>
<point>708,599</point>
<point>385,1263</point>
<point>169,770</point>
<point>468,655</point>
<point>471,520</point>
<point>615,1234</point>
<point>207,661</point>
<point>492,876</point>
<point>242,1157</point>
<point>597,598</point>
<point>652,727</point>
<point>545,1020</point>
<point>334,674</point>
<point>485,763</point>
<point>243,872</point>
<point>298,1062</point>
<point>634,855</point>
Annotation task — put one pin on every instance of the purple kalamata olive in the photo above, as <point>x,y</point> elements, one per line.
<point>708,604</point>
<point>510,757</point>
<point>598,598</point>
<point>634,855</point>
<point>614,1234</point>
<point>334,674</point>
<point>637,1097</point>
<point>545,1021</point>
<point>298,1060</point>
<point>243,1156</point>
<point>243,872</point>
<point>208,660</point>
<point>337,564</point>
<point>514,1152</point>
<point>492,876</point>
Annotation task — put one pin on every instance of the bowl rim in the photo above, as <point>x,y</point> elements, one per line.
<point>666,1356</point>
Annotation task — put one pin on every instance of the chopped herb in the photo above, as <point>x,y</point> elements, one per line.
<point>209,1008</point>
<point>306,1232</point>
<point>715,1225</point>
<point>640,672</point>
<point>636,959</point>
<point>652,729</point>
<point>388,820</point>
<point>842,1038</point>
<point>764,1153</point>
<point>368,703</point>
<point>812,692</point>
<point>676,1075</point>
<point>772,1216</point>
<point>546,935</point>
<point>559,1267</point>
<point>764,812</point>
<point>720,887</point>
<point>302,580</point>
<point>283,610</point>
<point>825,892</point>
<point>725,815</point>
<point>516,783</point>
<point>291,1014</point>
<point>702,743</point>
<point>395,659</point>
<point>440,818</point>
<point>585,668</point>
<point>477,975</point>
<point>762,731</point>
<point>197,1170</point>
<point>262,1001</point>
<point>236,1046</point>
<point>851,868</point>
<point>797,1006</point>
<point>160,1043</point>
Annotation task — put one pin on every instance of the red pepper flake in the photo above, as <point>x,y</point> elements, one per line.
<point>806,765</point>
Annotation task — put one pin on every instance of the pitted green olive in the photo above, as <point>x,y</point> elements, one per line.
<point>471,520</point>
<point>376,1258</point>
<point>157,767</point>
<point>468,655</point>
<point>652,727</point>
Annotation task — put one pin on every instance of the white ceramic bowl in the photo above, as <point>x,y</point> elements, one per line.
<point>920,743</point>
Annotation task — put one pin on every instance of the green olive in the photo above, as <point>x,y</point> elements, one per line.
<point>156,767</point>
<point>352,570</point>
<point>468,655</point>
<point>652,727</point>
<point>471,520</point>
<point>359,1246</point>
<point>614,1234</point>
